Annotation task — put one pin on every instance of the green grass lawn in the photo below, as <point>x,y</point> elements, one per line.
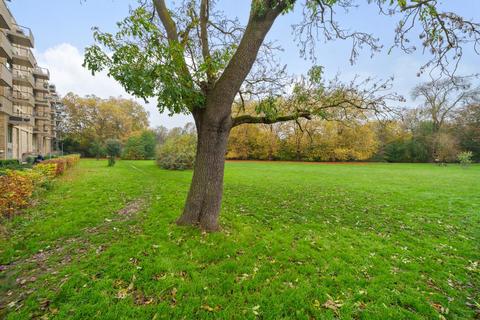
<point>301,241</point>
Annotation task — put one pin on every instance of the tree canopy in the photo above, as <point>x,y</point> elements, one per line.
<point>91,120</point>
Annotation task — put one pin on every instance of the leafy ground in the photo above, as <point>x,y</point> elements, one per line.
<point>376,241</point>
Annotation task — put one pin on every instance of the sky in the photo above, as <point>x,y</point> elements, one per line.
<point>62,30</point>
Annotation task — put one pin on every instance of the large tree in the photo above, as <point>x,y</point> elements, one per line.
<point>194,59</point>
<point>442,100</point>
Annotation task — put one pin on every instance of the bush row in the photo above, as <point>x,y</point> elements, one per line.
<point>18,186</point>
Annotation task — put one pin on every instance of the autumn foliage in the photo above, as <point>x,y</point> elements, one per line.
<point>18,186</point>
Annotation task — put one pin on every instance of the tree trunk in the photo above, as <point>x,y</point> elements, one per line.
<point>202,207</point>
<point>214,123</point>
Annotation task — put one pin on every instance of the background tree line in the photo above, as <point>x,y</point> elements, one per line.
<point>446,123</point>
<point>91,122</point>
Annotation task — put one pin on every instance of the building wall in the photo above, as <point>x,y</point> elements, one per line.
<point>3,135</point>
<point>28,119</point>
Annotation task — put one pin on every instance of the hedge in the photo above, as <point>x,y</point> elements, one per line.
<point>18,186</point>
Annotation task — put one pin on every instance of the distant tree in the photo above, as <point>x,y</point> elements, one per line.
<point>113,148</point>
<point>133,149</point>
<point>447,148</point>
<point>193,59</point>
<point>91,119</point>
<point>161,133</point>
<point>178,152</point>
<point>141,146</point>
<point>249,142</point>
<point>467,129</point>
<point>148,139</point>
<point>442,100</point>
<point>97,149</point>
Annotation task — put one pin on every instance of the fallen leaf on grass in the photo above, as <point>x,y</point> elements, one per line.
<point>333,305</point>
<point>255,310</point>
<point>440,309</point>
<point>122,293</point>
<point>206,307</point>
<point>173,294</point>
<point>360,305</point>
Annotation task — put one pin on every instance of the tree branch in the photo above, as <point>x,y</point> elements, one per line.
<point>251,119</point>
<point>166,19</point>
<point>229,83</point>
<point>204,17</point>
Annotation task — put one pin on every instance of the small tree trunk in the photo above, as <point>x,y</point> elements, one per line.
<point>204,200</point>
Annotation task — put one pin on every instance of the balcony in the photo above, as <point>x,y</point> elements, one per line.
<point>21,35</point>
<point>5,76</point>
<point>18,118</point>
<point>5,16</point>
<point>39,129</point>
<point>23,78</point>
<point>23,98</point>
<point>41,87</point>
<point>42,101</point>
<point>6,49</point>
<point>6,105</point>
<point>41,73</point>
<point>23,58</point>
<point>42,115</point>
<point>54,98</point>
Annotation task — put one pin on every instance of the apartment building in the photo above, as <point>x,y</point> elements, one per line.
<point>27,100</point>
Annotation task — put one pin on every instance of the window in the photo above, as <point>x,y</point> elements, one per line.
<point>10,134</point>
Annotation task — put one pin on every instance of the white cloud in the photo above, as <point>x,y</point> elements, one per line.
<point>65,64</point>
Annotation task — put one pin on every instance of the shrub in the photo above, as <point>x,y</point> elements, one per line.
<point>140,147</point>
<point>31,160</point>
<point>465,158</point>
<point>177,153</point>
<point>46,169</point>
<point>17,186</point>
<point>59,165</point>
<point>133,149</point>
<point>97,149</point>
<point>16,189</point>
<point>12,164</point>
<point>113,148</point>
<point>9,162</point>
<point>63,163</point>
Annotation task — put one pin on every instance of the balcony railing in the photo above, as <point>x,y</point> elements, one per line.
<point>23,98</point>
<point>40,129</point>
<point>42,115</point>
<point>5,16</point>
<point>18,117</point>
<point>5,76</point>
<point>6,49</point>
<point>6,105</point>
<point>23,78</point>
<point>21,35</point>
<point>41,86</point>
<point>42,100</point>
<point>23,58</point>
<point>42,73</point>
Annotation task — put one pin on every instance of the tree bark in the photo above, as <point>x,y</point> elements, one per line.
<point>204,199</point>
